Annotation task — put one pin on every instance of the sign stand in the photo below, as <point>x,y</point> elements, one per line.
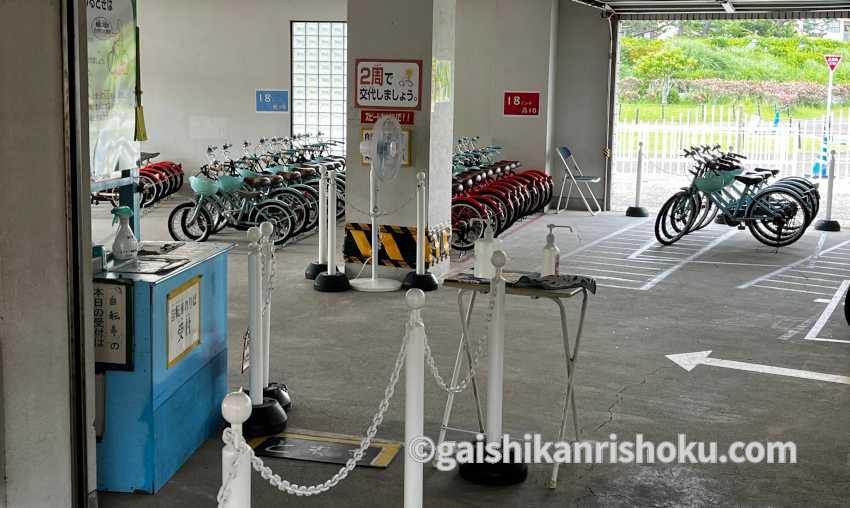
<point>828,224</point>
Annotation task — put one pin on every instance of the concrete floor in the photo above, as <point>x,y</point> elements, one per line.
<point>335,351</point>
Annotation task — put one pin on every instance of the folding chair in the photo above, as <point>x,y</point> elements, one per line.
<point>576,178</point>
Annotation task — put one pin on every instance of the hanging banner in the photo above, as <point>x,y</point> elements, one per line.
<point>388,84</point>
<point>111,31</point>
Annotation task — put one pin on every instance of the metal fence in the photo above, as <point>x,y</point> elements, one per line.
<point>790,146</point>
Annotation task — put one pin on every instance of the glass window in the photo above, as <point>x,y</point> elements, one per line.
<point>319,79</point>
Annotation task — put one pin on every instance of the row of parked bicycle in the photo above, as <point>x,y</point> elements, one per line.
<point>724,191</point>
<point>275,180</point>
<point>487,191</point>
<point>157,181</point>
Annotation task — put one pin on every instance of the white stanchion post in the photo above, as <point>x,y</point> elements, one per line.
<point>323,216</point>
<point>637,211</point>
<point>829,224</point>
<point>255,288</point>
<point>236,408</point>
<point>266,228</point>
<point>420,223</point>
<point>496,352</point>
<point>331,222</point>
<point>414,398</point>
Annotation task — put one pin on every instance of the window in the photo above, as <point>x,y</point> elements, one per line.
<point>319,85</point>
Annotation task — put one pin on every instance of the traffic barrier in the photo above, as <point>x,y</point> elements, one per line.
<point>321,264</point>
<point>420,278</point>
<point>331,280</point>
<point>637,210</point>
<point>828,224</point>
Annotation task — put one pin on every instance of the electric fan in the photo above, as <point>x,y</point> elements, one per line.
<point>384,151</point>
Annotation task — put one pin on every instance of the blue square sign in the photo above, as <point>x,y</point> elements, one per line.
<point>272,101</point>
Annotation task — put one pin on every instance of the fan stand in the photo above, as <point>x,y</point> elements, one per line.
<point>374,284</point>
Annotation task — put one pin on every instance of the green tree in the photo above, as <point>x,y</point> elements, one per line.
<point>664,65</point>
<point>745,28</point>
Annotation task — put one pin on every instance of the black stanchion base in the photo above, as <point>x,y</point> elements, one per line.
<point>267,419</point>
<point>637,211</point>
<point>328,283</point>
<point>314,269</point>
<point>280,393</point>
<point>498,474</point>
<point>425,282</point>
<point>827,225</point>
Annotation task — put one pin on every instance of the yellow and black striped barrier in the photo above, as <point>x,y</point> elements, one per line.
<point>398,245</point>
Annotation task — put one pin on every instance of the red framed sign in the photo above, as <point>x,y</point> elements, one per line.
<point>521,104</point>
<point>369,116</point>
<point>832,61</point>
<point>388,84</point>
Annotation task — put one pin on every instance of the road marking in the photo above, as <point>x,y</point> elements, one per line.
<point>797,329</point>
<point>822,300</point>
<point>827,313</point>
<point>792,290</point>
<point>689,361</point>
<point>788,267</point>
<point>821,241</point>
<point>607,237</point>
<point>666,273</point>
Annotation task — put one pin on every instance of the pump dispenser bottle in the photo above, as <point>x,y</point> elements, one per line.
<point>125,245</point>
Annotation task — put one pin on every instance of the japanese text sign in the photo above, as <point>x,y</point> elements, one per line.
<point>113,325</point>
<point>832,61</point>
<point>388,84</point>
<point>371,116</point>
<point>183,315</point>
<point>521,104</point>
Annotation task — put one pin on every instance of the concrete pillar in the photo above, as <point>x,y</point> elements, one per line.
<point>404,30</point>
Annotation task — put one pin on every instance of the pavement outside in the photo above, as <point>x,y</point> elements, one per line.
<point>335,351</point>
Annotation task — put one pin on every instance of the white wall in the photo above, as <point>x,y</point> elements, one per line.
<point>503,45</point>
<point>581,105</point>
<point>34,259</point>
<point>202,61</point>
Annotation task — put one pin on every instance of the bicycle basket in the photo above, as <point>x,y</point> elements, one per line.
<point>230,183</point>
<point>203,185</point>
<point>247,173</point>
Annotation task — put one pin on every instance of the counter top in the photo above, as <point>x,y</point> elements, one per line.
<point>195,252</point>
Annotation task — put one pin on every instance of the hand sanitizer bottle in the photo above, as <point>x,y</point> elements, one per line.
<point>484,248</point>
<point>125,245</point>
<point>551,254</point>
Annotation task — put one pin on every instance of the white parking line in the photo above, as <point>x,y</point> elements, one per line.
<point>666,273</point>
<point>826,314</point>
<point>792,290</point>
<point>607,237</point>
<point>788,267</point>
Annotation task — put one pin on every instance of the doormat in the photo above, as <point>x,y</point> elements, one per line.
<point>315,446</point>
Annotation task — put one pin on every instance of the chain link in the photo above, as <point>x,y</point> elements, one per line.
<point>479,350</point>
<point>404,204</point>
<point>300,490</point>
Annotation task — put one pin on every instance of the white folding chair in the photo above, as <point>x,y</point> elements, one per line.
<point>576,179</point>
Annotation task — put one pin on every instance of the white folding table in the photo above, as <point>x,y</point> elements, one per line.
<point>467,285</point>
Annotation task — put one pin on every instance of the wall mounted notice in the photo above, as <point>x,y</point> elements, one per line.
<point>521,104</point>
<point>388,84</point>
<point>111,34</point>
<point>113,325</point>
<point>183,315</point>
<point>371,116</point>
<point>272,101</point>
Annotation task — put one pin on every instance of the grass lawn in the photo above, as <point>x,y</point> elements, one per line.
<point>653,112</point>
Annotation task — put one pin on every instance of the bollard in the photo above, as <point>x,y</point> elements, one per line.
<point>414,398</point>
<point>510,470</point>
<point>321,264</point>
<point>236,408</point>
<point>637,210</point>
<point>828,224</point>
<point>331,281</point>
<point>277,391</point>
<point>267,416</point>
<point>420,278</point>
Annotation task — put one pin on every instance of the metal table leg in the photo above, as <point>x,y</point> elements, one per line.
<point>570,355</point>
<point>463,346</point>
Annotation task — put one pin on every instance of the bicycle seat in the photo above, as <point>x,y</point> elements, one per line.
<point>289,175</point>
<point>308,171</point>
<point>257,181</point>
<point>751,178</point>
<point>773,172</point>
<point>276,179</point>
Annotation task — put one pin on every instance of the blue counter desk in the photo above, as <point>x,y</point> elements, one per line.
<point>167,404</point>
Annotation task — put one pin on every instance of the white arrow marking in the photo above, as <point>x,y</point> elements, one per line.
<point>690,360</point>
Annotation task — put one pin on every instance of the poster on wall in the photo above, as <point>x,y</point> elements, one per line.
<point>388,84</point>
<point>183,317</point>
<point>366,135</point>
<point>441,81</point>
<point>111,31</point>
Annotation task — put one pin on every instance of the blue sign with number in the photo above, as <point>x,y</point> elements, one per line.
<point>272,101</point>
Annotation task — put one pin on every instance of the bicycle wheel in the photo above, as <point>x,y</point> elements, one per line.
<point>175,221</point>
<point>465,230</point>
<point>149,191</point>
<point>708,213</point>
<point>195,223</point>
<point>297,207</point>
<point>777,217</point>
<point>676,218</point>
<point>279,215</point>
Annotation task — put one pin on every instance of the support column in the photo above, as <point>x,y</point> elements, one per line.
<point>409,30</point>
